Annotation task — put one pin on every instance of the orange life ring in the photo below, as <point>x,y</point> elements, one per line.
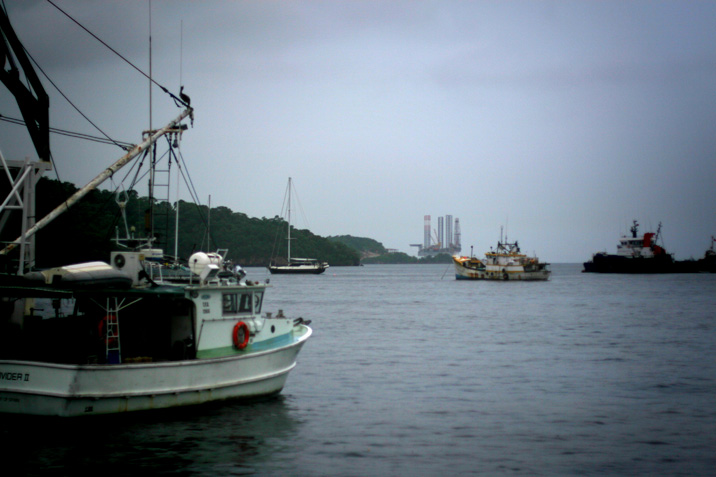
<point>102,325</point>
<point>235,335</point>
<point>102,329</point>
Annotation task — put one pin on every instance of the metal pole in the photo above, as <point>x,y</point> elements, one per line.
<point>103,176</point>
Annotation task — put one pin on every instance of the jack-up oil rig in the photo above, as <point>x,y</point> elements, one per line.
<point>446,239</point>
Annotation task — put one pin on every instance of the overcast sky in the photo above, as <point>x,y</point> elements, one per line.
<point>561,121</point>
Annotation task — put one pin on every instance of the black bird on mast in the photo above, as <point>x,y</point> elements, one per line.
<point>183,96</point>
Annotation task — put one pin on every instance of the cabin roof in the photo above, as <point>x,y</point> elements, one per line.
<point>53,292</point>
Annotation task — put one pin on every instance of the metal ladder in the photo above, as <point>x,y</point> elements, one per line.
<point>113,351</point>
<point>159,187</point>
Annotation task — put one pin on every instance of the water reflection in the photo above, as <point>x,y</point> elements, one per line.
<point>233,437</point>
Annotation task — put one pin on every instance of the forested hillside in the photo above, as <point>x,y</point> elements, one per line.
<point>373,252</point>
<point>86,231</point>
<point>367,246</point>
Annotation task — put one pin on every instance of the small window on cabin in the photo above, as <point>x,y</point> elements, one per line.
<point>229,303</point>
<point>258,298</point>
<point>245,304</point>
<point>234,303</point>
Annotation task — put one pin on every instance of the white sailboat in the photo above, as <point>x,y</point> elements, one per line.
<point>295,265</point>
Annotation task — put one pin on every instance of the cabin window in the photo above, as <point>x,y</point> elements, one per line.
<point>230,303</point>
<point>233,303</point>
<point>258,298</point>
<point>245,304</point>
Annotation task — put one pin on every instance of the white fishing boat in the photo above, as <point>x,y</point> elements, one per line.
<point>103,338</point>
<point>86,346</point>
<point>293,265</point>
<point>506,263</point>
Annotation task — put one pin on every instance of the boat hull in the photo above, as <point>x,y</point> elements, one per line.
<point>606,263</point>
<point>36,388</point>
<point>296,270</point>
<point>497,275</point>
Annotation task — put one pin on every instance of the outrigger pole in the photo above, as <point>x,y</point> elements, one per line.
<point>107,173</point>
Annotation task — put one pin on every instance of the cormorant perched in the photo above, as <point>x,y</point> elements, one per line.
<point>184,97</point>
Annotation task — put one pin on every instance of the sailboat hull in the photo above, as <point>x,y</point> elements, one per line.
<point>300,269</point>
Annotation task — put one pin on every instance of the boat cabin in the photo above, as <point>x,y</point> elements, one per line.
<point>154,324</point>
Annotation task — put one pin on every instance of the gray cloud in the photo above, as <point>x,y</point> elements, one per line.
<point>563,121</point>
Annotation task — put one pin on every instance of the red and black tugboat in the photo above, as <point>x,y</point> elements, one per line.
<point>639,255</point>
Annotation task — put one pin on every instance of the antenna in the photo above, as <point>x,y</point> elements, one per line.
<point>288,255</point>
<point>154,148</point>
<point>181,52</point>
<point>150,65</point>
<point>208,226</point>
<point>176,219</point>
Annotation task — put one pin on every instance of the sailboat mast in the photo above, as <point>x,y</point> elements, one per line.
<point>208,225</point>
<point>289,220</point>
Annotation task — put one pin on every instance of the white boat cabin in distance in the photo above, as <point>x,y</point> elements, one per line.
<point>506,263</point>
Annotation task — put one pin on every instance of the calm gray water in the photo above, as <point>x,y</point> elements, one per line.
<point>410,372</point>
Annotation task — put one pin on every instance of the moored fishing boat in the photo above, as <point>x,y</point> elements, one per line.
<point>506,263</point>
<point>83,350</point>
<point>96,338</point>
<point>103,338</point>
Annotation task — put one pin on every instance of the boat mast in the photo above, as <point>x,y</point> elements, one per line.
<point>176,215</point>
<point>153,161</point>
<point>289,220</point>
<point>176,222</point>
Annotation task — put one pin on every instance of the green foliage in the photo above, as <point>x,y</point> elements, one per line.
<point>86,231</point>
<point>250,241</point>
<point>391,258</point>
<point>83,233</point>
<point>373,252</point>
<point>361,244</point>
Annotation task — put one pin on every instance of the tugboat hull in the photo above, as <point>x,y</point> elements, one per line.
<point>605,263</point>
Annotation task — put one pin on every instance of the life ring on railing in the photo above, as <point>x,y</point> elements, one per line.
<point>240,341</point>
